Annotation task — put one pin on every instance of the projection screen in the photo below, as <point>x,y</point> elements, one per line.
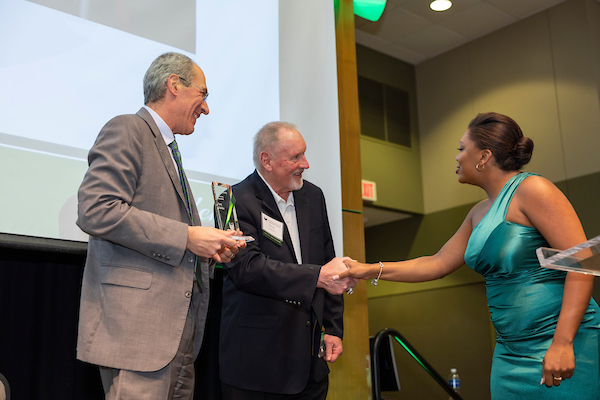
<point>71,65</point>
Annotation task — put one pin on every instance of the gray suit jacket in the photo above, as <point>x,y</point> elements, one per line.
<point>138,277</point>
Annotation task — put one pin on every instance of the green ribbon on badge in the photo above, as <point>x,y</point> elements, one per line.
<point>272,238</point>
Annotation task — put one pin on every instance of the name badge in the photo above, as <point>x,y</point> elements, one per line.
<point>272,229</point>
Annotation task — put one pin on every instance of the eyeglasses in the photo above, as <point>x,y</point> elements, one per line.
<point>203,91</point>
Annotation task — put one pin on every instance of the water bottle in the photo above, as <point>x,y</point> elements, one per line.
<point>454,381</point>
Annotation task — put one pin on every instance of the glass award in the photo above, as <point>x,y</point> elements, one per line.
<point>583,258</point>
<point>225,207</point>
<point>225,210</point>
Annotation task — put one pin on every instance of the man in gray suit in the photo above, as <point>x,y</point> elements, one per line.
<point>145,290</point>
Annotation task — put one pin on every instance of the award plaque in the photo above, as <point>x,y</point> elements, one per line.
<point>583,258</point>
<point>225,210</point>
<point>225,207</point>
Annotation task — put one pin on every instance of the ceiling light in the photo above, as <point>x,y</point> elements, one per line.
<point>440,5</point>
<point>369,9</point>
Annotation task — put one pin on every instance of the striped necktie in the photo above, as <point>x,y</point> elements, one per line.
<point>181,172</point>
<point>186,194</point>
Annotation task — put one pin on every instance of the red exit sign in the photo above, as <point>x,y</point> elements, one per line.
<point>369,191</point>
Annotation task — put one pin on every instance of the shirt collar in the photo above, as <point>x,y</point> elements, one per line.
<point>278,198</point>
<point>164,129</point>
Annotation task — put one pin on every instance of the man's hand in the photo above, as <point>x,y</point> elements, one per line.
<point>210,242</point>
<point>333,348</point>
<point>227,253</point>
<point>355,270</point>
<point>331,269</point>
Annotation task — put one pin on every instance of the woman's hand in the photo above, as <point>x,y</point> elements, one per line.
<point>355,270</point>
<point>558,364</point>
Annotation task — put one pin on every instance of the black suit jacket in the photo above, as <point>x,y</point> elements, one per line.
<point>272,312</point>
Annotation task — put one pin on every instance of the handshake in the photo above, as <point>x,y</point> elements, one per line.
<point>333,269</point>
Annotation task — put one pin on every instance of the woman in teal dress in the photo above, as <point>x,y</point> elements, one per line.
<point>547,325</point>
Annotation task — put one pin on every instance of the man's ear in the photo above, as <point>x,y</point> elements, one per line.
<point>173,84</point>
<point>265,161</point>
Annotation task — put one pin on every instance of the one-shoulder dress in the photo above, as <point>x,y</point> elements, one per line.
<point>524,301</point>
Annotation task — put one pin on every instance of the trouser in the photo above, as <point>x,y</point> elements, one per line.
<point>174,381</point>
<point>312,391</point>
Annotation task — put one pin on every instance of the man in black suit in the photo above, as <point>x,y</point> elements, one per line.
<point>282,312</point>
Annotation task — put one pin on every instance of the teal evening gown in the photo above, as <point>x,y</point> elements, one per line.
<point>524,301</point>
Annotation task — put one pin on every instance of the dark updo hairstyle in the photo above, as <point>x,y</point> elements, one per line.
<point>503,137</point>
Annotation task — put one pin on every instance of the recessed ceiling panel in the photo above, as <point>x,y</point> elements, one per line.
<point>478,21</point>
<point>410,31</point>
<point>433,40</point>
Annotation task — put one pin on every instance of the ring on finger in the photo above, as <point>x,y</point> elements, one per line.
<point>558,378</point>
<point>350,291</point>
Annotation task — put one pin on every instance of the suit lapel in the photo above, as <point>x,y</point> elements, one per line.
<point>165,155</point>
<point>302,204</point>
<point>270,208</point>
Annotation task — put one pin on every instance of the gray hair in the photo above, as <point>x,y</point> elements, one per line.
<point>155,80</point>
<point>267,137</point>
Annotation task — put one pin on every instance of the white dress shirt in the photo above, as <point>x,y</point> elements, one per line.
<point>165,131</point>
<point>288,211</point>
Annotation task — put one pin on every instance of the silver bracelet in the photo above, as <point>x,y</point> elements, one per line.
<point>375,281</point>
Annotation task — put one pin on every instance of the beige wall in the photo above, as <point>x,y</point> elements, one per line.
<point>449,328</point>
<point>447,320</point>
<point>542,71</point>
<point>396,169</point>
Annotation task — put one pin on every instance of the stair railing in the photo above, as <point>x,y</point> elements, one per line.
<point>414,353</point>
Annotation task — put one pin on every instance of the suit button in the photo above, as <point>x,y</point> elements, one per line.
<point>191,259</point>
<point>153,254</point>
<point>188,294</point>
<point>167,258</point>
<point>308,323</point>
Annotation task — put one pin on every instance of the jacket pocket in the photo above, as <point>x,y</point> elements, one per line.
<point>123,276</point>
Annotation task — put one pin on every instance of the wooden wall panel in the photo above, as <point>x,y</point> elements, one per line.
<point>349,377</point>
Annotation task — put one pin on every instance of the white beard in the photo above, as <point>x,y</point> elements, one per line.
<point>297,185</point>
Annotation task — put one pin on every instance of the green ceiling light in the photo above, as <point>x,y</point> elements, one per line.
<point>440,5</point>
<point>369,9</point>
